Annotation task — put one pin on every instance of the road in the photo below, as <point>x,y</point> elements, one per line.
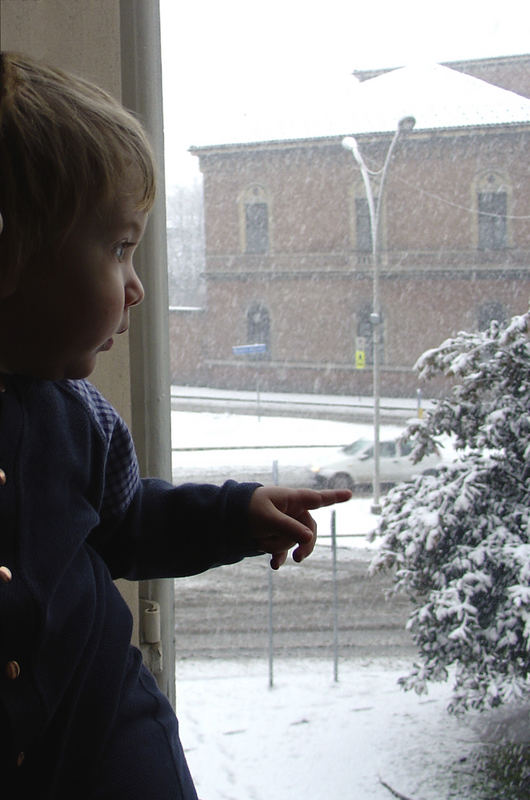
<point>334,407</point>
<point>224,613</point>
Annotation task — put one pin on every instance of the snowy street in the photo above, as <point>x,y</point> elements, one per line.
<point>206,445</point>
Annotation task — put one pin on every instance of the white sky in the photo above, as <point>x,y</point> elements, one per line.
<point>239,66</point>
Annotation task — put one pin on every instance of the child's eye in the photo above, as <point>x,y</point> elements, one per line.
<point>120,249</point>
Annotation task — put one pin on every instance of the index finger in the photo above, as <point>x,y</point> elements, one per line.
<point>313,498</point>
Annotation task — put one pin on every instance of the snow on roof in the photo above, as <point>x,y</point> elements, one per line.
<point>437,96</point>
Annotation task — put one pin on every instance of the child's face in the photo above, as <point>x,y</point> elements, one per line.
<point>70,304</point>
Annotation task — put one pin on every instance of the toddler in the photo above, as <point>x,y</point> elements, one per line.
<point>80,716</point>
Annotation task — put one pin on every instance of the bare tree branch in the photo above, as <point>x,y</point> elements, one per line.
<point>393,791</point>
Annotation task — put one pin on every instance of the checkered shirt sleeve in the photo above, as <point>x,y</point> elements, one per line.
<point>121,471</point>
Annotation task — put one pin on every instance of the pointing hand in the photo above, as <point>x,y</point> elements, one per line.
<point>279,519</point>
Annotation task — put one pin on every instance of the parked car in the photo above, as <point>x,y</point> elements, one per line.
<point>353,465</point>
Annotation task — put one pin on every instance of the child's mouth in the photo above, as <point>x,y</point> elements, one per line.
<point>106,345</point>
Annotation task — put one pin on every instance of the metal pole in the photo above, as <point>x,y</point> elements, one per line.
<point>271,630</point>
<point>335,597</point>
<point>374,209</point>
<point>275,480</point>
<point>150,384</point>
<point>375,316</point>
<point>420,409</point>
<point>375,319</point>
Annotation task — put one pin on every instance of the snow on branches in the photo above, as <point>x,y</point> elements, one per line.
<point>459,542</point>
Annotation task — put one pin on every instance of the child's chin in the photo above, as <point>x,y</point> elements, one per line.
<point>82,369</point>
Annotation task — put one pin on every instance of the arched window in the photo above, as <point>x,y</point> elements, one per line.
<point>365,334</point>
<point>492,207</point>
<point>490,311</point>
<point>258,328</point>
<point>255,217</point>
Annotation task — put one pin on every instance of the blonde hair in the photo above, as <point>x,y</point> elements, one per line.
<point>66,149</point>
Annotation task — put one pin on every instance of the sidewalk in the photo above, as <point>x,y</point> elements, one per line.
<point>335,407</point>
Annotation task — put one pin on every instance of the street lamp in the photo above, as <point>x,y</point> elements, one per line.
<point>374,210</point>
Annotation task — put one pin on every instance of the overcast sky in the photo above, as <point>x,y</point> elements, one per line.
<point>237,68</point>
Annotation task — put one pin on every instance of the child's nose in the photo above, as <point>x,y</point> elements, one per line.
<point>134,292</point>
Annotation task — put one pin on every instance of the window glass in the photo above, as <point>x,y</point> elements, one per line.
<point>492,220</point>
<point>258,328</point>
<point>406,448</point>
<point>356,447</point>
<point>349,158</point>
<point>257,227</point>
<point>489,312</point>
<point>387,449</point>
<point>363,240</point>
<point>365,334</point>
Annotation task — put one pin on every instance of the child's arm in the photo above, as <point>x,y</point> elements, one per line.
<point>173,531</point>
<point>279,519</point>
<point>151,529</point>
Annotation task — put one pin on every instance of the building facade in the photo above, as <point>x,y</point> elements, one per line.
<point>289,261</point>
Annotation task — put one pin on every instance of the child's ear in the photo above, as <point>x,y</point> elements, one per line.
<point>1,222</point>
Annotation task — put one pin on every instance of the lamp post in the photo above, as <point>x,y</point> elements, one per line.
<point>374,211</point>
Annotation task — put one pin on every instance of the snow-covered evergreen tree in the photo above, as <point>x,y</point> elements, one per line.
<point>459,541</point>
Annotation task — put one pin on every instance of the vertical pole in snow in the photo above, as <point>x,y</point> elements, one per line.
<point>275,480</point>
<point>271,634</point>
<point>335,597</point>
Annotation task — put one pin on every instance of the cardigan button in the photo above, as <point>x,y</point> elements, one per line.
<point>12,670</point>
<point>3,477</point>
<point>5,574</point>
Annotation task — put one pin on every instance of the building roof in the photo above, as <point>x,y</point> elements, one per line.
<point>437,96</point>
<point>468,65</point>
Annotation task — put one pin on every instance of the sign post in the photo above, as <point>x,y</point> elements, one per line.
<point>360,352</point>
<point>251,350</point>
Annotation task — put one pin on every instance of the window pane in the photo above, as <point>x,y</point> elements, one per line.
<point>257,227</point>
<point>492,220</point>
<point>258,329</point>
<point>287,262</point>
<point>363,227</point>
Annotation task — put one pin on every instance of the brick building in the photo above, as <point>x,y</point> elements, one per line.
<point>288,237</point>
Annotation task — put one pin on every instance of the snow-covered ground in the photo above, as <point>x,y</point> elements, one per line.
<point>311,738</point>
<point>308,737</point>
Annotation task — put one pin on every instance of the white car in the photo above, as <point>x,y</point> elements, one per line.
<point>353,465</point>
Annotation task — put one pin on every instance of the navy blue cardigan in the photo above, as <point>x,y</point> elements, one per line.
<point>74,514</point>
